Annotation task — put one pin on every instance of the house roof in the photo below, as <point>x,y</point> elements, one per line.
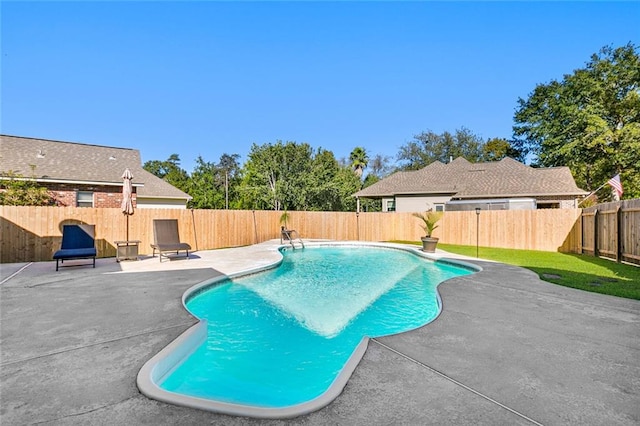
<point>70,162</point>
<point>464,180</point>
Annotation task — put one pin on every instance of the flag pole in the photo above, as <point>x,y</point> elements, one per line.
<point>593,192</point>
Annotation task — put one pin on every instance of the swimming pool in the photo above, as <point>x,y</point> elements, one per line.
<point>284,342</point>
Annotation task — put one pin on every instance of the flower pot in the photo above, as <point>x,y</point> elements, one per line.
<point>429,244</point>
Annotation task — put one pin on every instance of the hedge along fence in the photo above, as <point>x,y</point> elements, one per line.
<point>34,233</point>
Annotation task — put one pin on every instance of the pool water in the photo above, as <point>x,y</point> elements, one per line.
<point>280,337</point>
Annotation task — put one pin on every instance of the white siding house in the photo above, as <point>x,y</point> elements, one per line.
<point>436,184</point>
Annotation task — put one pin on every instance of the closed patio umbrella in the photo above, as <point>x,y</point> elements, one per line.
<point>127,191</point>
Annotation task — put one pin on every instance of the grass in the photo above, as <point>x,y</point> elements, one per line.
<point>569,270</point>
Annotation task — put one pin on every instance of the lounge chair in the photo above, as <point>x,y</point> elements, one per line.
<point>78,242</point>
<point>167,239</point>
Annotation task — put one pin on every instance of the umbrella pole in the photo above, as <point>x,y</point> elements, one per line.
<point>127,227</point>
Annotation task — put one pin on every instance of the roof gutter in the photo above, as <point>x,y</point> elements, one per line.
<point>453,192</point>
<point>76,182</point>
<point>549,194</point>
<point>161,197</point>
<point>418,194</point>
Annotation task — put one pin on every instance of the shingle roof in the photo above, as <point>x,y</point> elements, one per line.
<point>57,161</point>
<point>462,179</point>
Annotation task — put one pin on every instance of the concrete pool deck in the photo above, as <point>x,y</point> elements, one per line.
<point>507,349</point>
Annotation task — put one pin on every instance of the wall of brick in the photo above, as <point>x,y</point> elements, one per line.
<point>66,195</point>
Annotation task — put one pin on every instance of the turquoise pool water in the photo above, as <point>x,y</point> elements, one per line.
<point>280,337</point>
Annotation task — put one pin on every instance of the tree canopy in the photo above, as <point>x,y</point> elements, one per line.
<point>498,148</point>
<point>291,176</point>
<point>294,176</point>
<point>428,147</point>
<point>170,171</point>
<point>214,186</point>
<point>359,160</point>
<point>16,190</point>
<point>588,121</point>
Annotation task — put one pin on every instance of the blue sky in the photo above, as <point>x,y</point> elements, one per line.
<point>208,78</point>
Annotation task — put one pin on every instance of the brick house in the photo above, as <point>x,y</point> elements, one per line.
<point>460,185</point>
<point>84,175</point>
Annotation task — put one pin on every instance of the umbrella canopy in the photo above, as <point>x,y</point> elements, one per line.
<point>127,190</point>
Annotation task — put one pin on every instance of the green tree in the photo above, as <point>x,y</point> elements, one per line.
<point>331,184</point>
<point>170,171</point>
<point>428,147</point>
<point>291,176</point>
<point>589,121</point>
<point>379,166</point>
<point>497,148</point>
<point>16,190</point>
<point>229,173</point>
<point>324,193</point>
<point>359,160</point>
<point>203,186</point>
<point>368,204</point>
<point>347,184</point>
<point>162,168</point>
<point>274,176</point>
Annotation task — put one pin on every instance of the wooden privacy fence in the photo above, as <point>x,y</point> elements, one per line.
<point>612,230</point>
<point>34,233</point>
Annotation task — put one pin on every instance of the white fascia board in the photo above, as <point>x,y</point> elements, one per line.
<point>75,182</point>
<point>554,194</point>
<point>165,197</point>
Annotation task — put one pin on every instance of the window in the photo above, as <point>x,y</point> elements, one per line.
<point>391,205</point>
<point>439,207</point>
<point>85,199</point>
<point>548,205</point>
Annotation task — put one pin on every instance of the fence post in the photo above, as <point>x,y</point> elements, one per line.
<point>619,247</point>
<point>595,233</point>
<point>582,232</point>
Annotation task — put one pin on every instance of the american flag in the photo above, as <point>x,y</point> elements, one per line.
<point>616,184</point>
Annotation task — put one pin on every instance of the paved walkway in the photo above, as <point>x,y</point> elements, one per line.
<point>508,349</point>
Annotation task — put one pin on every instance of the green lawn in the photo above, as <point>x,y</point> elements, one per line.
<point>570,270</point>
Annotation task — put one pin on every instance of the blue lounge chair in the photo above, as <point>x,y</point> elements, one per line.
<point>78,242</point>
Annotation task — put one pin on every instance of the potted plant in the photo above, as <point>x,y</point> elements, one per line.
<point>284,235</point>
<point>429,220</point>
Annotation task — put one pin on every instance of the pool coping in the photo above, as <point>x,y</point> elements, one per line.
<point>169,357</point>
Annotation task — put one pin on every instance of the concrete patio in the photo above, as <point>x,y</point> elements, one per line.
<point>507,349</point>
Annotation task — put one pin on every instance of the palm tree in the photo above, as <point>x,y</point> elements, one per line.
<point>359,160</point>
